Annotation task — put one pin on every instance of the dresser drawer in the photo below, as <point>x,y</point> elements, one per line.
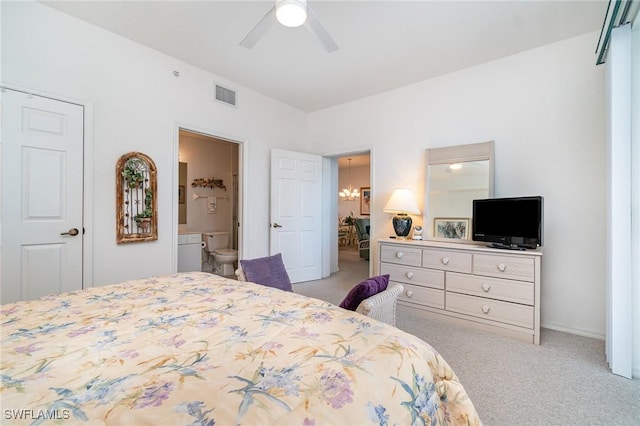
<point>447,260</point>
<point>401,255</point>
<point>423,296</point>
<point>512,267</point>
<point>510,313</point>
<point>494,288</point>
<point>411,275</point>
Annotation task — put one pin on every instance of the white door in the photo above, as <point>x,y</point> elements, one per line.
<point>42,178</point>
<point>296,212</point>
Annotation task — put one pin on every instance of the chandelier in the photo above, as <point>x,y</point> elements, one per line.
<point>349,193</point>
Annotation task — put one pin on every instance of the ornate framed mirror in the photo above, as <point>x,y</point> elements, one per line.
<point>456,175</point>
<point>136,198</point>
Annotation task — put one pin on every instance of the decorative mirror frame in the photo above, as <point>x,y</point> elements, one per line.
<point>449,155</point>
<point>136,199</point>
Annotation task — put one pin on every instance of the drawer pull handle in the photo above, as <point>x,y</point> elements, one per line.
<point>445,260</point>
<point>502,267</point>
<point>485,309</point>
<point>399,255</point>
<point>409,275</point>
<point>486,287</point>
<point>409,293</point>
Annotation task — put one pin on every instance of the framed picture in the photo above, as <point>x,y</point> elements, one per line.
<point>447,227</point>
<point>365,200</point>
<point>180,194</point>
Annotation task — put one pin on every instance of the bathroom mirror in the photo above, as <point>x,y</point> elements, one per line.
<point>182,187</point>
<point>456,175</point>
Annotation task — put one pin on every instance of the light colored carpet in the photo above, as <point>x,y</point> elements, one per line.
<point>353,269</point>
<point>564,381</point>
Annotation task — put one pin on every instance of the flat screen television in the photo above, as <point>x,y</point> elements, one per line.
<point>512,223</point>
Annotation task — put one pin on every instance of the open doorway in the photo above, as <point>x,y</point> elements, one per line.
<point>353,197</point>
<point>209,194</point>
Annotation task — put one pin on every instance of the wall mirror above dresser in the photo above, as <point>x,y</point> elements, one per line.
<point>456,175</point>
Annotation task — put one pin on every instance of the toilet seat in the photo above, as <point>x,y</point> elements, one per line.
<point>225,252</point>
<point>222,256</point>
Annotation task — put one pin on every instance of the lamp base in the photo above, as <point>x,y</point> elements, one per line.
<point>402,225</point>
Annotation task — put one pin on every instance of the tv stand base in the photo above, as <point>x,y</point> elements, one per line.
<point>507,246</point>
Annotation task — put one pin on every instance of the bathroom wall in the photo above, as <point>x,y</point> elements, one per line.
<point>208,158</point>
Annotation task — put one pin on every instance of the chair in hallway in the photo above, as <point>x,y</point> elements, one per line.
<point>362,232</point>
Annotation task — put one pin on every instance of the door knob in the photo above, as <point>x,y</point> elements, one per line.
<point>275,225</point>
<point>73,232</point>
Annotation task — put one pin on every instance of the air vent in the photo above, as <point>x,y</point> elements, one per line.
<point>225,95</point>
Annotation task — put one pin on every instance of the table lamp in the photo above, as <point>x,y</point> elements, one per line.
<point>402,203</point>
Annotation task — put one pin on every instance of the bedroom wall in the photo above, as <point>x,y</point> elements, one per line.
<point>137,102</point>
<point>545,109</point>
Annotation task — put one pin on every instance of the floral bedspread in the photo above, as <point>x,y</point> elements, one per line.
<point>195,348</point>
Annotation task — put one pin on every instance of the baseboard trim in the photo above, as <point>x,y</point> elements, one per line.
<point>504,330</point>
<point>576,331</point>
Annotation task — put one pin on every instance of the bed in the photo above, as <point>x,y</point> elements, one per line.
<point>195,348</point>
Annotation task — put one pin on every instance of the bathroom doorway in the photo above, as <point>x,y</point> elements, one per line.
<point>209,190</point>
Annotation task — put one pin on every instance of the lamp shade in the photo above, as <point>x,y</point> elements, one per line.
<point>291,13</point>
<point>402,201</point>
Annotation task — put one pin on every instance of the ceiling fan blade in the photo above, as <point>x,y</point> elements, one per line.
<point>314,25</point>
<point>260,29</point>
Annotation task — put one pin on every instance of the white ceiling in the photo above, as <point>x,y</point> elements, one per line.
<point>383,44</point>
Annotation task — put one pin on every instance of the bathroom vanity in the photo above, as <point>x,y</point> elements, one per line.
<point>189,252</point>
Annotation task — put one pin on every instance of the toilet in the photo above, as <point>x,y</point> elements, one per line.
<point>222,258</point>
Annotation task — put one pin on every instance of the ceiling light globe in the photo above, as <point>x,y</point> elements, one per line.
<point>291,13</point>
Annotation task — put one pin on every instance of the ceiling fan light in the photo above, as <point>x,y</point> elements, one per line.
<point>291,13</point>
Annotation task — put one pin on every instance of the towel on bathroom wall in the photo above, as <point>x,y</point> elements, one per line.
<point>212,204</point>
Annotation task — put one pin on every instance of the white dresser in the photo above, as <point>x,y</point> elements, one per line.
<point>490,289</point>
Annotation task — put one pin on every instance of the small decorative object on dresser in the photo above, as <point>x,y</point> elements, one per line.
<point>417,233</point>
<point>474,285</point>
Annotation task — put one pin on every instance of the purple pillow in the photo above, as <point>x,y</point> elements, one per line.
<point>269,271</point>
<point>367,288</point>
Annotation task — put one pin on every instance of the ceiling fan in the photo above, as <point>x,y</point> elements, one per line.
<point>290,13</point>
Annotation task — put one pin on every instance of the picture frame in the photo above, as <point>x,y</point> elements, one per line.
<point>181,194</point>
<point>365,200</point>
<point>451,227</point>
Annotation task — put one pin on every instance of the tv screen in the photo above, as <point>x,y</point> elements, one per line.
<point>509,222</point>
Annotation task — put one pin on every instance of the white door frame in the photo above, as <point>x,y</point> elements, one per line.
<point>87,203</point>
<point>330,214</point>
<point>243,154</point>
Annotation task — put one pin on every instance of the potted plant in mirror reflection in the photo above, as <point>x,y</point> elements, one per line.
<point>143,219</point>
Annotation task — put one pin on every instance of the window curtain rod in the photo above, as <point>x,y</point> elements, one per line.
<point>623,12</point>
